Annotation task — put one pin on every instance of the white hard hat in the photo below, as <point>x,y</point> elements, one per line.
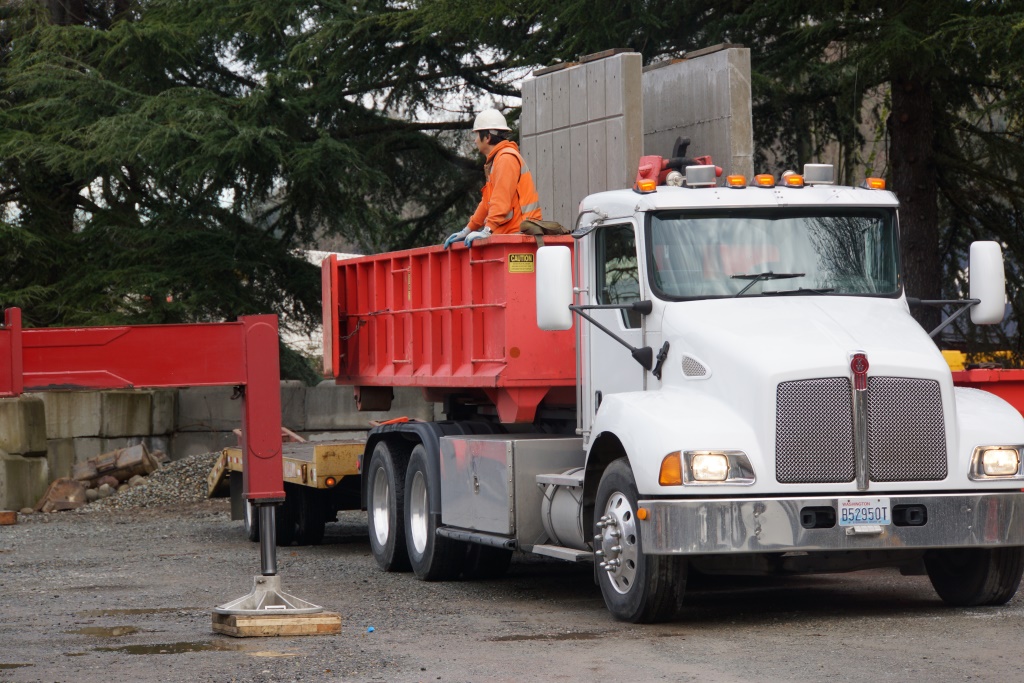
<point>490,119</point>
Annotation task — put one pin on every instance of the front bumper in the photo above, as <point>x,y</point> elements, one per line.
<point>772,525</point>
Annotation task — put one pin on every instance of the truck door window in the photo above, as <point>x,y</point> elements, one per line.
<point>618,279</point>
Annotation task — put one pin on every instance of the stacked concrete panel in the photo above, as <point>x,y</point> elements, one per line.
<point>581,131</point>
<point>705,97</point>
<point>24,470</point>
<point>42,436</point>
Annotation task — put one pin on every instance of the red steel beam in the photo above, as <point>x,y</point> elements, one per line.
<point>243,353</point>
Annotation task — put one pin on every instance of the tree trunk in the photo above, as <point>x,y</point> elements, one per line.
<point>912,159</point>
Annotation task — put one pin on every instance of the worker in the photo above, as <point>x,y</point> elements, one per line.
<point>509,195</point>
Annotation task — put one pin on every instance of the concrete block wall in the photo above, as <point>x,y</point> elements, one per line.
<point>42,436</point>
<point>24,468</point>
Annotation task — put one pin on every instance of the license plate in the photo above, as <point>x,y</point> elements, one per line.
<point>853,511</point>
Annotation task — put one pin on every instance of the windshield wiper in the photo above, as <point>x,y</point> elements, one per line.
<point>799,290</point>
<point>761,277</point>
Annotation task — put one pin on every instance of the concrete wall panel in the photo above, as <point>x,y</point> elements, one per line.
<point>126,413</point>
<point>23,480</point>
<point>707,99</point>
<point>23,425</point>
<point>587,102</point>
<point>208,409</point>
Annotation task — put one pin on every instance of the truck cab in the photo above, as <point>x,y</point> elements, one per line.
<point>755,397</point>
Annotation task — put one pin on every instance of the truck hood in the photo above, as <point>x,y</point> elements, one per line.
<point>762,339</point>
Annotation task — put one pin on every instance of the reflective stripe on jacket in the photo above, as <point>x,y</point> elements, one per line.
<point>509,194</point>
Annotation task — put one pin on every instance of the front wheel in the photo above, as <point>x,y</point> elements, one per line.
<point>638,588</point>
<point>973,577</point>
<point>433,557</point>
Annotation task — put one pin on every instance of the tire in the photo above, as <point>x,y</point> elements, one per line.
<point>309,517</point>
<point>385,506</point>
<point>252,522</point>
<point>638,588</point>
<point>973,577</point>
<point>433,557</point>
<point>486,562</point>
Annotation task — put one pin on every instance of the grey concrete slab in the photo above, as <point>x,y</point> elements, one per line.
<point>184,444</point>
<point>203,409</point>
<point>331,408</point>
<point>60,457</point>
<point>126,413</point>
<point>165,404</point>
<point>71,413</point>
<point>707,99</point>
<point>23,480</point>
<point>293,405</point>
<point>23,425</point>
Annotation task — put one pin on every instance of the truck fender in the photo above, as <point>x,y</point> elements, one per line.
<point>429,435</point>
<point>984,419</point>
<point>650,425</point>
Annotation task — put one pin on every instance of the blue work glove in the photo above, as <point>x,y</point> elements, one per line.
<point>479,234</point>
<point>456,236</point>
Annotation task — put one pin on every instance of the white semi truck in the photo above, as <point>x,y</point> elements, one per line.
<point>720,377</point>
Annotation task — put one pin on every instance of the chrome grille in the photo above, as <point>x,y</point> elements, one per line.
<point>906,430</point>
<point>814,431</point>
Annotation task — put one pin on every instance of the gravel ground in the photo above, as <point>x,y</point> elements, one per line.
<point>127,593</point>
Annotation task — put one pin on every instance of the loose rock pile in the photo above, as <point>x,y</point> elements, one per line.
<point>180,481</point>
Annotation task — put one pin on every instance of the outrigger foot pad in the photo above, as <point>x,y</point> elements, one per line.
<point>267,598</point>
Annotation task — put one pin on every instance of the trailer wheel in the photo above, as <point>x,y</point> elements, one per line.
<point>309,517</point>
<point>433,557</point>
<point>385,506</point>
<point>972,577</point>
<point>636,587</point>
<point>486,562</point>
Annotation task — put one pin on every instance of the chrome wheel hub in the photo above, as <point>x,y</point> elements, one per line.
<point>618,553</point>
<point>418,510</point>
<point>381,503</point>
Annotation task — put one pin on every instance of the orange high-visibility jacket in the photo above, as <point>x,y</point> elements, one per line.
<point>509,195</point>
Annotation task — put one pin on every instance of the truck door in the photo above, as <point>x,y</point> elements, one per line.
<point>608,366</point>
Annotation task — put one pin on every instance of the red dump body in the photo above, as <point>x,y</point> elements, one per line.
<point>450,321</point>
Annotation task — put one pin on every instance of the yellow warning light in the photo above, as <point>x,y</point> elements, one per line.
<point>736,181</point>
<point>793,180</point>
<point>875,183</point>
<point>642,514</point>
<point>764,180</point>
<point>330,481</point>
<point>646,185</point>
<point>671,470</point>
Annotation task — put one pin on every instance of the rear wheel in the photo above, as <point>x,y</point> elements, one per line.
<point>385,488</point>
<point>433,557</point>
<point>972,577</point>
<point>636,587</point>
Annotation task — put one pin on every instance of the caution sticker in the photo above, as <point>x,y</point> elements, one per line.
<point>520,263</point>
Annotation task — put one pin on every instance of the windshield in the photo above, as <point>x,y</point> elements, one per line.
<point>767,252</point>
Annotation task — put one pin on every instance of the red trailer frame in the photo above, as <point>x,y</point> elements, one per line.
<point>242,354</point>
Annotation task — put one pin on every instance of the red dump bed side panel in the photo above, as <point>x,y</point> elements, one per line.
<point>451,320</point>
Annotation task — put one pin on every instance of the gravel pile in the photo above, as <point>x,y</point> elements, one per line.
<point>180,481</point>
